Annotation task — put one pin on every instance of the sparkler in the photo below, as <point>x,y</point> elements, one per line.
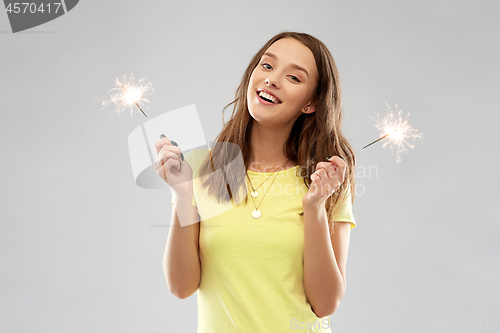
<point>397,130</point>
<point>127,94</point>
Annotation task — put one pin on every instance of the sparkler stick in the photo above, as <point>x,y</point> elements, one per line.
<point>135,93</point>
<point>161,135</point>
<point>134,101</point>
<point>378,139</point>
<point>385,136</point>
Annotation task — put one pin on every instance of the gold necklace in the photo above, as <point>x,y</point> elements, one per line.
<point>254,192</point>
<point>256,213</point>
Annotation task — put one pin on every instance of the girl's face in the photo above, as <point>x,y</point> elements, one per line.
<point>287,71</point>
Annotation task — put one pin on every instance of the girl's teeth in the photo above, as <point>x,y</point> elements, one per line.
<point>263,94</point>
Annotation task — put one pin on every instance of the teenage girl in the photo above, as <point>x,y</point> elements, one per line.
<point>274,258</point>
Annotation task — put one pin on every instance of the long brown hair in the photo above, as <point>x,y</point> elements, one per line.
<point>313,137</point>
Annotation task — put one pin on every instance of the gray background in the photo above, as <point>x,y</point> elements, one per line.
<point>82,245</point>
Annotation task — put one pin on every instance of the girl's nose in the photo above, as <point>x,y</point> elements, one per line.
<point>271,81</point>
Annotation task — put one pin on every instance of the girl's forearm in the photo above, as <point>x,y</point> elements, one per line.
<point>181,261</point>
<point>323,282</point>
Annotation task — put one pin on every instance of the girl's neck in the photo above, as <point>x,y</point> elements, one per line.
<point>267,149</point>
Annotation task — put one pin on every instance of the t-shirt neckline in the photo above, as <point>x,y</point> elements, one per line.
<point>270,173</point>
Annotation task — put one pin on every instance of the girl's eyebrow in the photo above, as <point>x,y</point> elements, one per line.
<point>269,54</point>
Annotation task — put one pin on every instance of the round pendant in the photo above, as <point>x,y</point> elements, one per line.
<point>254,194</point>
<point>256,214</point>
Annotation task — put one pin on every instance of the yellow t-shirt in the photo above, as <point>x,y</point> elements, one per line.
<point>252,269</point>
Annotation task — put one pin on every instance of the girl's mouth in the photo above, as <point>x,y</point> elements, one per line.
<point>264,100</point>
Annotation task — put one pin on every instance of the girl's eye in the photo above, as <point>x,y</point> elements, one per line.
<point>264,64</point>
<point>295,78</point>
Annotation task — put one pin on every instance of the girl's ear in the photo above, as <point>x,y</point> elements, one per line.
<point>311,107</point>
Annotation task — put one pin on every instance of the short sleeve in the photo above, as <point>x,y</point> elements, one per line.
<point>344,213</point>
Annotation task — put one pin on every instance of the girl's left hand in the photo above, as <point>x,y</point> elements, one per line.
<point>325,181</point>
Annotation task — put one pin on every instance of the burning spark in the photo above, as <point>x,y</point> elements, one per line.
<point>397,130</point>
<point>127,94</point>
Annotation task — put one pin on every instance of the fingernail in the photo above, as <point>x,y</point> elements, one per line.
<point>182,156</point>
<point>328,157</point>
<point>173,143</point>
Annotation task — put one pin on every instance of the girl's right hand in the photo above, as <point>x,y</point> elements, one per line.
<point>167,165</point>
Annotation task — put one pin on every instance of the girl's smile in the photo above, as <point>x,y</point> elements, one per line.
<point>267,98</point>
